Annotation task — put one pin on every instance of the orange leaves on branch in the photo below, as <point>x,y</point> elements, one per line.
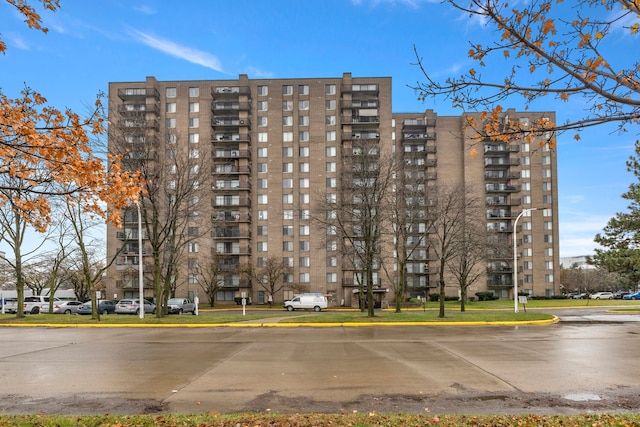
<point>50,151</point>
<point>32,17</point>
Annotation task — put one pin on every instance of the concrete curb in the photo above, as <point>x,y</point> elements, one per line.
<point>555,319</point>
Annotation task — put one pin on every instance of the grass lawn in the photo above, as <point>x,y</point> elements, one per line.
<point>304,420</point>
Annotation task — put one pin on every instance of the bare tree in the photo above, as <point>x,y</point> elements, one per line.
<point>554,50</point>
<point>173,191</point>
<point>271,277</point>
<point>211,278</point>
<point>446,212</point>
<point>470,248</point>
<point>359,214</point>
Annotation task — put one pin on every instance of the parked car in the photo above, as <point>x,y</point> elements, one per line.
<point>620,294</point>
<point>62,307</point>
<point>105,306</point>
<point>307,301</point>
<point>180,305</point>
<point>132,306</point>
<point>632,296</point>
<point>602,295</point>
<point>10,305</point>
<point>580,295</point>
<point>34,304</point>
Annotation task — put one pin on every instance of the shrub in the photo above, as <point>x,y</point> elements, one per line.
<point>486,296</point>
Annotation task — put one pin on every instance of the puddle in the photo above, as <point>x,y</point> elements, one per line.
<point>582,397</point>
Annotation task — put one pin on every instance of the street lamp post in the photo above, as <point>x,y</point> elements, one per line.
<point>515,258</point>
<point>140,270</point>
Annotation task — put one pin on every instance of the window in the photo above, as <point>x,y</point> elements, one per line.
<point>170,123</point>
<point>287,199</point>
<point>304,230</point>
<point>527,238</point>
<point>332,230</point>
<point>548,238</point>
<point>263,199</point>
<point>305,214</point>
<point>263,90</point>
<point>330,166</point>
<point>527,252</point>
<point>303,167</point>
<point>526,200</point>
<point>287,121</point>
<point>330,151</point>
<point>332,277</point>
<point>262,246</point>
<point>262,183</point>
<point>261,262</point>
<point>170,92</point>
<point>303,151</point>
<point>303,277</point>
<point>194,122</point>
<point>528,265</point>
<point>287,136</point>
<point>526,173</point>
<point>548,225</point>
<point>546,186</point>
<point>262,167</point>
<point>547,199</point>
<point>262,121</point>
<point>193,279</point>
<point>172,138</point>
<point>303,136</point>
<point>546,173</point>
<point>287,90</point>
<point>528,278</point>
<point>287,230</point>
<point>303,89</point>
<point>332,245</point>
<point>524,147</point>
<point>194,107</point>
<point>287,151</point>
<point>287,183</point>
<point>262,152</point>
<point>548,251</point>
<point>287,167</point>
<point>548,278</point>
<point>526,225</point>
<point>330,104</point>
<point>287,246</point>
<point>263,136</point>
<point>194,138</point>
<point>329,89</point>
<point>526,186</point>
<point>304,246</point>
<point>546,160</point>
<point>548,265</point>
<point>526,160</point>
<point>330,135</point>
<point>263,106</point>
<point>287,261</point>
<point>332,261</point>
<point>547,212</point>
<point>303,105</point>
<point>263,215</point>
<point>303,183</point>
<point>287,105</point>
<point>330,120</point>
<point>303,120</point>
<point>287,214</point>
<point>262,230</point>
<point>171,107</point>
<point>194,153</point>
<point>193,247</point>
<point>331,183</point>
<point>194,92</point>
<point>304,261</point>
<point>331,198</point>
<point>303,198</point>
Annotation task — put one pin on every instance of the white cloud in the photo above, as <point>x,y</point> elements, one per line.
<point>145,10</point>
<point>176,50</point>
<point>411,3</point>
<point>15,40</point>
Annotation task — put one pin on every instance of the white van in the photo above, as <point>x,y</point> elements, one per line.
<point>309,301</point>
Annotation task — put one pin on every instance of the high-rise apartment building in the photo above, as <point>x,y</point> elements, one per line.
<point>263,157</point>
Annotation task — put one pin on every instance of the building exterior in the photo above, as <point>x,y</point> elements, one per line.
<point>272,149</point>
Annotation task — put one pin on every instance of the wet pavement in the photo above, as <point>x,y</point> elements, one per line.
<point>563,368</point>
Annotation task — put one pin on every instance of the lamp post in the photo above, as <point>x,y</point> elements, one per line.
<point>515,258</point>
<point>140,270</point>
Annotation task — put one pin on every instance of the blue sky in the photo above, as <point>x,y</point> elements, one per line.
<point>93,42</point>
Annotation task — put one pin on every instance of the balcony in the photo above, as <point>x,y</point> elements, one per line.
<point>231,137</point>
<point>231,154</point>
<point>361,120</point>
<point>229,91</point>
<point>230,216</point>
<point>501,188</point>
<point>418,136</point>
<point>360,135</point>
<point>418,124</point>
<point>137,110</point>
<point>501,161</point>
<point>223,121</point>
<point>230,106</point>
<point>221,201</point>
<point>501,175</point>
<point>138,124</point>
<point>129,94</point>
<point>230,169</point>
